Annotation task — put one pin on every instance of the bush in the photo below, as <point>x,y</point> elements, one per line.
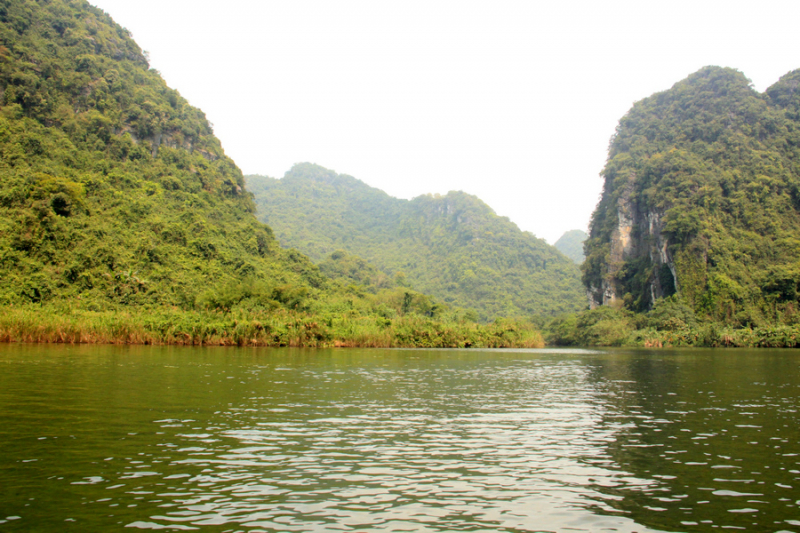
<point>603,326</point>
<point>671,314</point>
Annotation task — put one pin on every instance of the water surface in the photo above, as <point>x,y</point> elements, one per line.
<point>221,439</point>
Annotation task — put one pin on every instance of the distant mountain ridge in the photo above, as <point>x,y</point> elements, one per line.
<point>571,245</point>
<point>453,247</point>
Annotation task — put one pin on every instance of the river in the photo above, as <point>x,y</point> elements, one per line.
<point>98,438</point>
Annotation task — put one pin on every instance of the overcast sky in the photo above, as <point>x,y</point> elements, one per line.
<point>512,101</point>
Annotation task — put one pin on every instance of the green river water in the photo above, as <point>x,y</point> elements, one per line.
<point>103,438</point>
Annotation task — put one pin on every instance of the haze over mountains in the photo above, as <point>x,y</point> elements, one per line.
<point>571,244</point>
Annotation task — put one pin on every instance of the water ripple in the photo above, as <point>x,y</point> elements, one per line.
<point>403,441</point>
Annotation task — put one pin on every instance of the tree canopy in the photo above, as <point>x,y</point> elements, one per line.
<point>114,189</point>
<point>122,219</point>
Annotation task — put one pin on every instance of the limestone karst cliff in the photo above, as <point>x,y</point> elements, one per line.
<point>701,198</point>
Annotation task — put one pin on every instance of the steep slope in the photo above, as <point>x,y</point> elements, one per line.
<point>113,189</point>
<point>453,247</point>
<point>571,245</point>
<point>702,199</point>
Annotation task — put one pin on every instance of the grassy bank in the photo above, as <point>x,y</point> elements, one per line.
<point>275,328</point>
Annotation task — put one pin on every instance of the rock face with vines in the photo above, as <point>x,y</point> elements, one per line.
<point>701,200</point>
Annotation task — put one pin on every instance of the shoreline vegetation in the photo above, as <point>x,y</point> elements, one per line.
<point>670,324</point>
<point>167,326</point>
<point>52,323</point>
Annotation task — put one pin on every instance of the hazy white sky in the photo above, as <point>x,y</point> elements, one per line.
<point>512,101</point>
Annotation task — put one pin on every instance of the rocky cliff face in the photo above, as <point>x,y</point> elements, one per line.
<point>701,198</point>
<point>638,234</point>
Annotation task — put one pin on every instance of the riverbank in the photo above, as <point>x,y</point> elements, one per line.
<point>165,326</point>
<point>670,325</point>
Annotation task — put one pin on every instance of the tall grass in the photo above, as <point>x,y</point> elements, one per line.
<point>265,328</point>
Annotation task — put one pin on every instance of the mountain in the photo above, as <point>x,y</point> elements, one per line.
<point>453,247</point>
<point>571,245</point>
<point>701,200</point>
<point>115,190</point>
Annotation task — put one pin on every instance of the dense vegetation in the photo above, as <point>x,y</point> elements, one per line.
<point>669,323</point>
<point>114,190</point>
<point>696,239</point>
<point>453,247</point>
<point>121,218</point>
<point>571,245</point>
<point>706,176</point>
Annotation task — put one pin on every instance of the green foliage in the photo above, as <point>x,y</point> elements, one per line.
<point>709,169</point>
<point>604,326</point>
<point>351,269</point>
<point>670,323</point>
<point>453,247</point>
<point>671,314</point>
<point>114,189</point>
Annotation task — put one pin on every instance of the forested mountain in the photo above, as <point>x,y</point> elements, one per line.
<point>114,189</point>
<point>701,199</point>
<point>453,247</point>
<point>571,244</point>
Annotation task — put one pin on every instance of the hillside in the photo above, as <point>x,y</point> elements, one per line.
<point>114,189</point>
<point>701,200</point>
<point>453,247</point>
<point>571,245</point>
<point>122,220</point>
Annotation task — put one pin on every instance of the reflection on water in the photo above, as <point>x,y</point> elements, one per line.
<point>397,440</point>
<point>719,433</point>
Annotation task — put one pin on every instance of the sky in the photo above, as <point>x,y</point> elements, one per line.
<point>512,101</point>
